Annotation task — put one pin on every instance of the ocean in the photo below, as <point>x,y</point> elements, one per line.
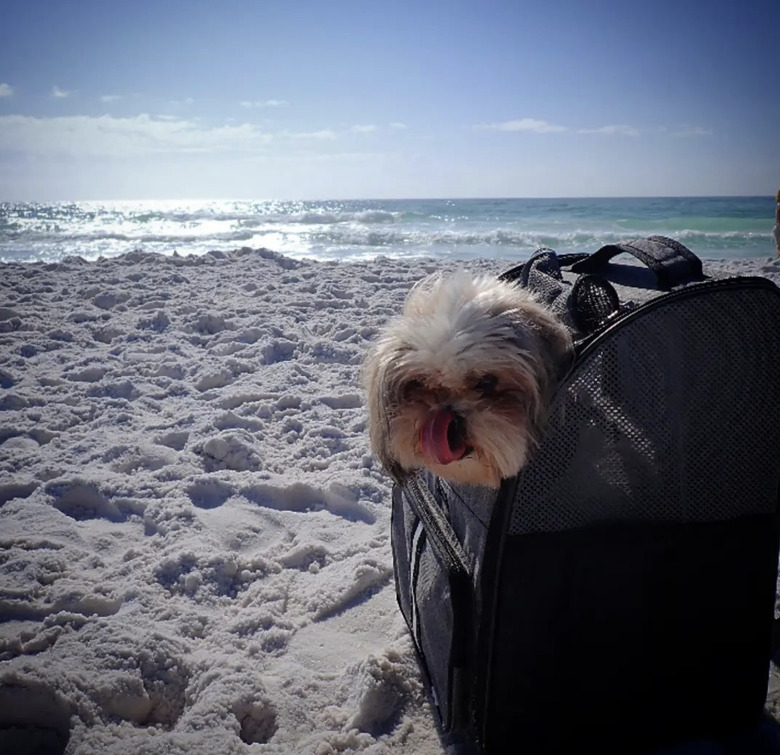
<point>511,229</point>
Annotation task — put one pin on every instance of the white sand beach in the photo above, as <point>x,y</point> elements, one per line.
<point>194,538</point>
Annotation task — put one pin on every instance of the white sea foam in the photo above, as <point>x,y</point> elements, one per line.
<point>509,229</point>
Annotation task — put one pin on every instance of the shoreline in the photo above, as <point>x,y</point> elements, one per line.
<point>513,229</point>
<point>761,264</point>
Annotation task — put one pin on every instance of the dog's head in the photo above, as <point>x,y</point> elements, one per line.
<point>459,382</point>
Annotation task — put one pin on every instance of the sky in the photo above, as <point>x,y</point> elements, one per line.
<point>307,99</point>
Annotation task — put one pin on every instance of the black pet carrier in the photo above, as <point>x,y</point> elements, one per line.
<point>618,594</point>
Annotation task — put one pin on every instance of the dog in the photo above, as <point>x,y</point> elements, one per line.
<point>459,383</point>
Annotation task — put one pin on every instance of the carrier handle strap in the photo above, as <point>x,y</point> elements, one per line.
<point>672,263</point>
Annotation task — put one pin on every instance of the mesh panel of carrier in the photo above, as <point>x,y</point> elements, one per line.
<point>674,417</point>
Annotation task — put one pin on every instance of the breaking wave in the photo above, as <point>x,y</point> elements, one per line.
<point>502,228</point>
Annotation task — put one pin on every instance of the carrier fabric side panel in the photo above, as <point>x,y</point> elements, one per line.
<point>635,596</point>
<point>424,596</point>
<point>633,637</point>
<point>435,559</point>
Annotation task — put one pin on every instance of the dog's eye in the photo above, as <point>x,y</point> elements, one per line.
<point>410,387</point>
<point>487,385</point>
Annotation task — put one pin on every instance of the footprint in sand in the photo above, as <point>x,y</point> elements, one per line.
<point>230,449</point>
<point>208,493</point>
<point>337,499</point>
<point>257,720</point>
<point>82,500</point>
<point>33,717</point>
<point>12,490</point>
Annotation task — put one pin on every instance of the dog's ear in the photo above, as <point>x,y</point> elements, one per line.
<point>371,380</point>
<point>552,340</point>
<point>375,380</point>
<point>557,346</point>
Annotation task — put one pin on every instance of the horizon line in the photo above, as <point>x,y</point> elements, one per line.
<point>486,198</point>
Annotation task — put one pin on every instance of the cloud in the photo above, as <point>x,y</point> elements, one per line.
<point>106,136</point>
<point>367,129</point>
<point>181,103</point>
<point>324,134</point>
<point>398,126</point>
<point>534,125</point>
<point>59,94</point>
<point>264,103</point>
<point>110,98</point>
<point>524,124</point>
<point>611,130</point>
<point>6,90</point>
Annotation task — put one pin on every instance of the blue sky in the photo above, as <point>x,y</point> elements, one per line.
<point>373,99</point>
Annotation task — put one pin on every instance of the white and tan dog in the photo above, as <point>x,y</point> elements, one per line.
<point>459,383</point>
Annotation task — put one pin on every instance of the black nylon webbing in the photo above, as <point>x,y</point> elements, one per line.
<point>672,262</point>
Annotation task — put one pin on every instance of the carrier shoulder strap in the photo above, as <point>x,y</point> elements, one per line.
<point>673,264</point>
<point>587,302</point>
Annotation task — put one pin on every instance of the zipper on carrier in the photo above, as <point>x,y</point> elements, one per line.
<point>452,559</point>
<point>448,550</point>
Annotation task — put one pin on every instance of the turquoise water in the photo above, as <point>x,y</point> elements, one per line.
<point>511,229</point>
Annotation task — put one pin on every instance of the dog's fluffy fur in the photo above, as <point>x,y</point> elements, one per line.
<point>459,383</point>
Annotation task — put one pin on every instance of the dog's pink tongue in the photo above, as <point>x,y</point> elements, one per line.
<point>435,440</point>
